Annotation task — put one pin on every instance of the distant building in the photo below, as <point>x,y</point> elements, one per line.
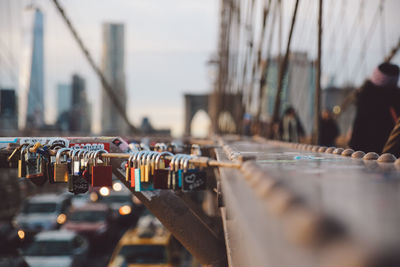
<point>80,111</point>
<point>64,98</point>
<point>298,88</point>
<point>148,129</point>
<point>8,110</point>
<point>35,107</point>
<point>113,66</point>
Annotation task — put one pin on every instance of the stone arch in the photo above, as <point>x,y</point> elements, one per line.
<point>200,125</point>
<point>194,103</point>
<point>215,104</point>
<point>226,122</point>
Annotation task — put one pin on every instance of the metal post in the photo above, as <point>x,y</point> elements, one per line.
<point>317,97</point>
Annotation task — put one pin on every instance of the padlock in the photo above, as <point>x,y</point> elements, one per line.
<point>184,159</point>
<point>49,168</point>
<point>34,164</point>
<point>76,183</point>
<point>145,171</point>
<point>177,175</point>
<point>193,179</point>
<point>35,168</point>
<point>147,166</point>
<point>85,166</point>
<point>101,174</point>
<point>128,169</point>
<point>133,168</point>
<point>149,170</point>
<point>142,166</point>
<point>90,161</point>
<point>75,163</point>
<point>61,167</point>
<point>22,163</point>
<point>160,177</point>
<point>138,171</point>
<point>172,175</point>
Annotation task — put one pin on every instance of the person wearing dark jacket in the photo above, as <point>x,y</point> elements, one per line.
<point>378,105</point>
<point>290,127</point>
<point>328,129</point>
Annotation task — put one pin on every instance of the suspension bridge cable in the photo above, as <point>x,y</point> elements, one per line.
<point>282,70</point>
<point>256,62</point>
<point>265,67</point>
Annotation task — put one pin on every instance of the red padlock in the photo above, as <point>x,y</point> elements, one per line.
<point>101,174</point>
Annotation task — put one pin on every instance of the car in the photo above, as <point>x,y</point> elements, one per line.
<point>93,220</point>
<point>42,212</point>
<point>80,200</point>
<point>57,248</point>
<point>121,202</point>
<point>10,240</point>
<point>149,244</point>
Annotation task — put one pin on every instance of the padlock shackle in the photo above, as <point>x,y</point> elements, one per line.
<point>134,158</point>
<point>175,161</point>
<point>143,157</point>
<point>149,156</point>
<point>178,161</point>
<point>186,163</point>
<point>97,153</point>
<point>138,158</point>
<point>23,148</point>
<point>81,151</point>
<point>59,152</point>
<point>74,151</point>
<point>160,155</point>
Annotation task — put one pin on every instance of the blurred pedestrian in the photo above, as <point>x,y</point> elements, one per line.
<point>290,127</point>
<point>393,143</point>
<point>378,105</point>
<point>247,124</point>
<point>328,129</point>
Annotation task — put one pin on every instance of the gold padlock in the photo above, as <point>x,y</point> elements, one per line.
<point>141,159</point>
<point>147,166</point>
<point>22,164</point>
<point>61,174</point>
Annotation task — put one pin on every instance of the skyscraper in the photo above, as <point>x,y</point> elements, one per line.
<point>298,88</point>
<point>113,66</point>
<point>35,108</point>
<point>8,110</point>
<point>80,113</point>
<point>64,98</point>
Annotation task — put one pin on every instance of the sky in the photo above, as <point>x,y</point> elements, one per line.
<point>168,43</point>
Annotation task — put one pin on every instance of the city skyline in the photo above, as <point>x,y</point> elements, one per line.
<point>168,45</point>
